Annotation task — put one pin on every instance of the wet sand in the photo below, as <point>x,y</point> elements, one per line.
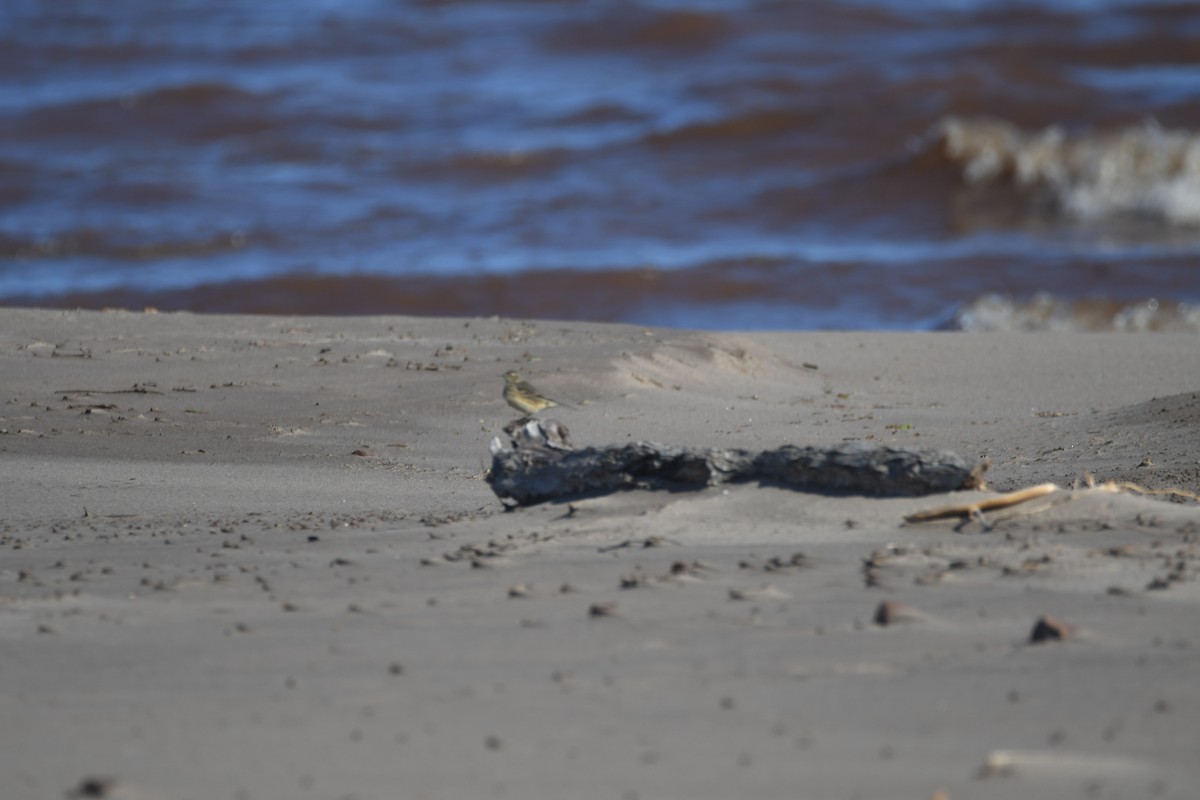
<point>256,557</point>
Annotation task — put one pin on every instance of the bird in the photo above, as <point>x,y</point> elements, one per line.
<point>523,397</point>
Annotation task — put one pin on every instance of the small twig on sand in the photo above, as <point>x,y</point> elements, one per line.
<point>977,508</point>
<point>967,511</point>
<point>1126,486</point>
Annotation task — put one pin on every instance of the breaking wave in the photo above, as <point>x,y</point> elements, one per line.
<point>1045,312</point>
<point>1143,171</point>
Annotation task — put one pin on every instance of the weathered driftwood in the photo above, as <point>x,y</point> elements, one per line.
<point>538,464</point>
<point>976,509</point>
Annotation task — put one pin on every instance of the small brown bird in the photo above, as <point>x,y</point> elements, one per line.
<point>523,397</point>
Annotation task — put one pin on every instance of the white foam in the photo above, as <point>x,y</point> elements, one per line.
<point>1047,313</point>
<point>1142,171</point>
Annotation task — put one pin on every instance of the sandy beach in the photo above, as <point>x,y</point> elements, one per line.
<point>257,557</point>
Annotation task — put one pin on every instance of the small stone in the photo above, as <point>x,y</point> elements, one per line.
<point>93,787</point>
<point>889,612</point>
<point>602,610</point>
<point>1047,628</point>
<point>634,581</point>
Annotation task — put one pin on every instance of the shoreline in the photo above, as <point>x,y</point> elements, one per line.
<point>715,296</point>
<point>255,557</point>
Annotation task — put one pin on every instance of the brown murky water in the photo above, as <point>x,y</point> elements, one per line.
<point>738,164</point>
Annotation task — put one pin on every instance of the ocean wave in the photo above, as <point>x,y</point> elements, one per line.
<point>187,112</point>
<point>673,30</point>
<point>734,128</point>
<point>119,246</point>
<point>1141,171</point>
<point>760,294</point>
<point>1044,312</point>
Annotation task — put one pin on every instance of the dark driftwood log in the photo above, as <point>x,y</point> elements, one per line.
<point>539,464</point>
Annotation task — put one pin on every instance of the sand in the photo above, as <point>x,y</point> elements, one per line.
<point>256,557</point>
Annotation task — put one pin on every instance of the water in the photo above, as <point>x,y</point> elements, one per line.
<point>739,164</point>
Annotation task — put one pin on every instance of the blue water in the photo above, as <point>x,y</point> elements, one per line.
<point>217,155</point>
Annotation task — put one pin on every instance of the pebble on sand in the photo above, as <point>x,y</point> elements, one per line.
<point>889,612</point>
<point>1047,628</point>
